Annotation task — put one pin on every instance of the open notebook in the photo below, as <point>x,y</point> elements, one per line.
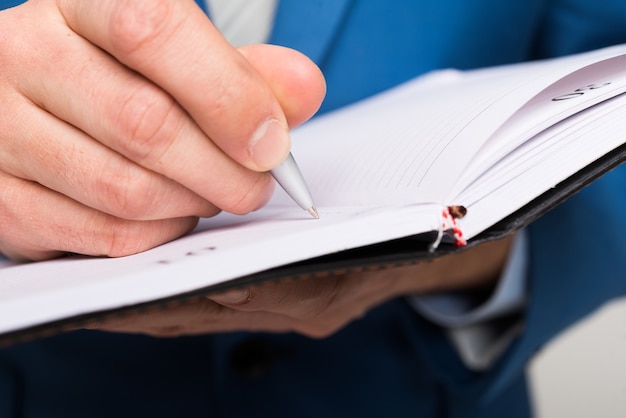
<point>499,146</point>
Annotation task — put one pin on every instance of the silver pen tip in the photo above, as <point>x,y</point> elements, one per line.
<point>313,212</point>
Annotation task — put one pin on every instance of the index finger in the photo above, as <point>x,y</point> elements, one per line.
<point>172,43</point>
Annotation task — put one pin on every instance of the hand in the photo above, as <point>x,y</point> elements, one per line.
<point>316,307</point>
<point>125,120</point>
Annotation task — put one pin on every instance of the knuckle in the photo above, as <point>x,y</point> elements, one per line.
<point>149,121</point>
<point>118,238</point>
<point>245,198</point>
<point>127,194</point>
<point>139,23</point>
<point>123,239</point>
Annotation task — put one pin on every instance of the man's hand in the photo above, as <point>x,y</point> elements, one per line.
<point>316,307</point>
<point>125,120</point>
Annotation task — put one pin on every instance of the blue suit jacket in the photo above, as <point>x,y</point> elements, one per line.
<point>390,363</point>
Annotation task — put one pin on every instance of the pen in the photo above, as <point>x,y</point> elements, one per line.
<point>288,175</point>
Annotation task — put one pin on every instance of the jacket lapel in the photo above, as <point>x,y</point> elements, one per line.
<point>309,25</point>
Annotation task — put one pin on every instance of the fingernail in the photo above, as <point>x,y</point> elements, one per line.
<point>232,297</point>
<point>269,144</point>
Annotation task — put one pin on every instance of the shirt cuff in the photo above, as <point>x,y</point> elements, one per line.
<point>481,329</point>
<point>458,309</point>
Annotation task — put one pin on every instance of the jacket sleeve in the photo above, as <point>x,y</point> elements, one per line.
<point>571,26</point>
<point>577,263</point>
<point>577,251</point>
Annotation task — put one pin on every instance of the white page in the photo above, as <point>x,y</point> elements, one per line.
<point>412,144</point>
<point>36,293</point>
<point>512,183</point>
<point>562,137</point>
<point>583,88</point>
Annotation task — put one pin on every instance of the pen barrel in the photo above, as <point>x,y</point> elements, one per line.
<point>289,177</point>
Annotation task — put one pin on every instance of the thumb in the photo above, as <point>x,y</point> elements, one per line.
<point>295,80</point>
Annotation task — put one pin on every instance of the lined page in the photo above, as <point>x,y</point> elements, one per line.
<point>551,157</point>
<point>580,90</point>
<point>414,143</point>
<point>382,151</point>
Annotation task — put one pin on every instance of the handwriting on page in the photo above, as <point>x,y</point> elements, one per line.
<point>193,253</point>
<point>580,91</point>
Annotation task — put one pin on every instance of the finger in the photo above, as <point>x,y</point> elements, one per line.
<point>196,317</point>
<point>130,115</point>
<point>302,299</point>
<point>333,295</point>
<point>297,82</point>
<point>56,224</point>
<point>173,44</point>
<point>37,146</point>
<point>316,308</point>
